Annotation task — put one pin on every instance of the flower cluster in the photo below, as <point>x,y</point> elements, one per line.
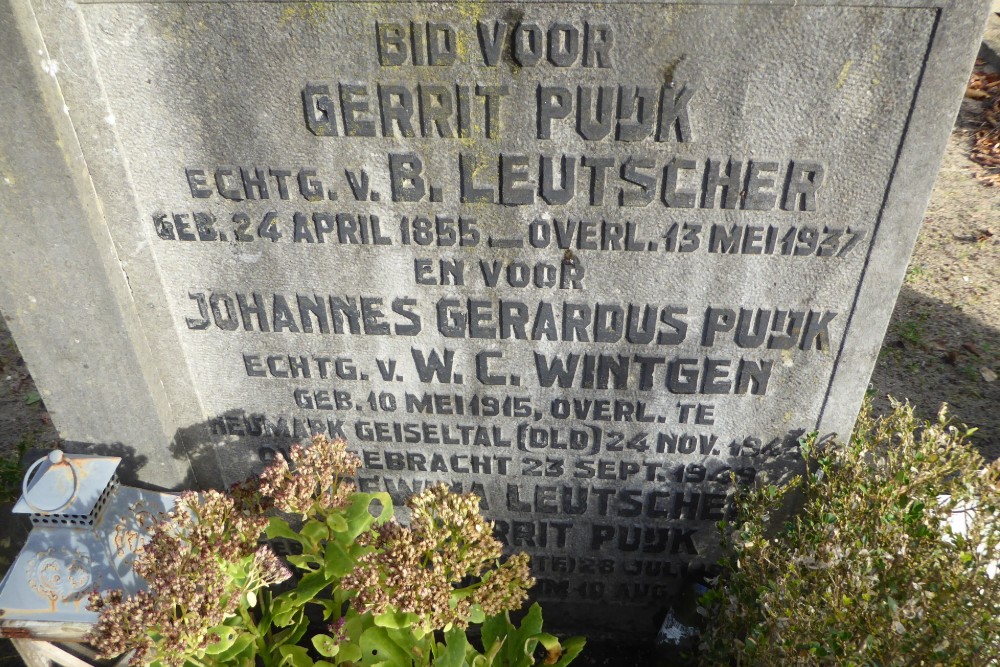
<point>316,477</point>
<point>268,568</point>
<point>188,565</point>
<point>204,565</point>
<point>205,523</point>
<point>418,569</point>
<point>507,588</point>
<point>247,496</point>
<point>122,625</point>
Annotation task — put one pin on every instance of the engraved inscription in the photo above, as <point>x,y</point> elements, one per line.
<point>575,259</point>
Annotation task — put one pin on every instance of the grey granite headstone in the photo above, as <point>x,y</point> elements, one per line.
<point>585,259</point>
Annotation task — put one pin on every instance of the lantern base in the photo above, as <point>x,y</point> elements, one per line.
<point>48,643</point>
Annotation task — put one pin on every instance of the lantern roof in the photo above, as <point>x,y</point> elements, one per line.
<point>68,487</point>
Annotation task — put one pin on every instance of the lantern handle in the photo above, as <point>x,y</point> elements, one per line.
<point>55,457</point>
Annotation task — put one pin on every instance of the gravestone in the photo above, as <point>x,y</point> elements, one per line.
<point>593,261</point>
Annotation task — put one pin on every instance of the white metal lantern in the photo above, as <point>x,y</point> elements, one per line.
<point>85,530</point>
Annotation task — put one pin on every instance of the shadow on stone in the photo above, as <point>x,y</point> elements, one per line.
<point>234,445</point>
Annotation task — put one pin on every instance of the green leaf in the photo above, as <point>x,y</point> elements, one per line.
<point>315,531</point>
<point>494,649</point>
<point>377,647</point>
<point>325,645</point>
<point>330,607</point>
<point>336,522</point>
<point>227,637</point>
<point>532,622</point>
<point>310,585</point>
<point>495,630</point>
<point>518,643</point>
<point>284,609</point>
<point>359,519</point>
<point>304,561</point>
<point>396,620</point>
<point>549,642</point>
<point>280,604</point>
<point>243,643</point>
<point>32,398</point>
<point>818,649</point>
<point>266,610</point>
<point>337,562</point>
<point>350,653</point>
<point>456,645</point>
<point>279,528</point>
<point>477,615</point>
<point>522,645</point>
<point>291,635</point>
<point>296,656</point>
<point>571,648</point>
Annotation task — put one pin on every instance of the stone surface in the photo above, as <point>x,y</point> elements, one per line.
<point>990,49</point>
<point>586,273</point>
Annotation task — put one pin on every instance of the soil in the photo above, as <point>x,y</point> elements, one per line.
<point>24,422</point>
<point>942,346</point>
<point>943,343</point>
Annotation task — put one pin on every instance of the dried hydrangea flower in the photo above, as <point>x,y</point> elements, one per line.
<point>190,590</point>
<point>317,477</point>
<point>268,567</point>
<point>418,569</point>
<point>507,588</point>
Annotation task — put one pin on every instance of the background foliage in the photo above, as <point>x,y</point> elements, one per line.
<point>889,562</point>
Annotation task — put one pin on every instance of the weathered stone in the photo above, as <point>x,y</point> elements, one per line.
<point>584,259</point>
<point>990,48</point>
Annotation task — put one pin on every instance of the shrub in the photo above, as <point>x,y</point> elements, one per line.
<point>874,569</point>
<point>370,591</point>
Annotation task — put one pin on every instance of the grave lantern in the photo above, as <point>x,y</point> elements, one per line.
<point>85,530</point>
